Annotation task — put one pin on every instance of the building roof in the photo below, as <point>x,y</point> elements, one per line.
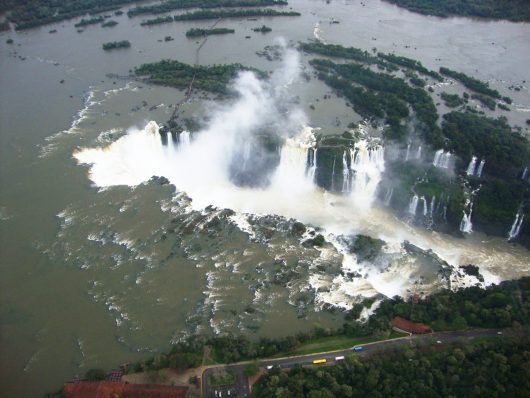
<point>107,389</point>
<point>409,326</point>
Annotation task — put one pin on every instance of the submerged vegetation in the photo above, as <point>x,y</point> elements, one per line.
<point>171,5</point>
<point>263,29</point>
<point>113,45</point>
<point>91,21</point>
<point>514,10</point>
<point>198,32</point>
<point>177,74</point>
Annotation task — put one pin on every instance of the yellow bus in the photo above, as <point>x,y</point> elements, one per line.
<point>318,361</point>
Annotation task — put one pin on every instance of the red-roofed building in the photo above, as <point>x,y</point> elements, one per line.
<point>406,326</point>
<point>108,389</point>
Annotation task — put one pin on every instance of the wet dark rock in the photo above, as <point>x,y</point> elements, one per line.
<point>318,241</point>
<point>298,229</point>
<point>472,270</point>
<point>161,180</point>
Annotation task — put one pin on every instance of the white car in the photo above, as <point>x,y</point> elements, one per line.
<point>341,358</point>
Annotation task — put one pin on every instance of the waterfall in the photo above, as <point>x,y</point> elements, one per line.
<point>345,173</point>
<point>433,202</point>
<point>525,173</point>
<point>185,139</point>
<point>471,167</point>
<point>332,188</point>
<point>388,196</point>
<point>424,202</point>
<point>480,168</point>
<point>418,153</point>
<point>442,159</point>
<point>408,152</point>
<point>413,205</point>
<point>367,164</point>
<point>312,163</point>
<point>466,226</point>
<point>515,230</point>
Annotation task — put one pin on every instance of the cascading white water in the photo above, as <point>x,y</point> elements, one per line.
<point>515,230</point>
<point>408,153</point>
<point>442,159</point>
<point>418,153</point>
<point>471,167</point>
<point>333,174</point>
<point>466,226</point>
<point>388,196</point>
<point>480,168</point>
<point>431,210</point>
<point>424,202</point>
<point>312,155</point>
<point>368,164</point>
<point>345,174</point>
<point>185,139</point>
<point>413,205</point>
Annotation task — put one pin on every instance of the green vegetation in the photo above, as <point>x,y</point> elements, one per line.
<point>383,96</point>
<point>514,10</point>
<point>109,24</point>
<point>170,5</point>
<point>197,32</point>
<point>9,41</point>
<point>485,100</point>
<point>31,13</point>
<point>251,370</point>
<point>207,14</point>
<point>116,44</point>
<point>91,21</point>
<point>471,83</point>
<point>491,368</point>
<point>452,100</point>
<point>157,21</point>
<point>506,152</point>
<point>176,74</point>
<point>410,64</point>
<point>263,29</point>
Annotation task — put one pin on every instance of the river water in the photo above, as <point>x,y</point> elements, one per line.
<point>99,268</point>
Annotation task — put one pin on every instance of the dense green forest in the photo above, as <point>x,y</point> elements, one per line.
<point>503,305</point>
<point>170,5</point>
<point>198,32</point>
<point>514,10</point>
<point>31,13</point>
<point>471,83</point>
<point>113,45</point>
<point>176,74</point>
<point>215,14</point>
<point>496,368</point>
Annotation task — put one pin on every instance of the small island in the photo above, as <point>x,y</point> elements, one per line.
<point>91,21</point>
<point>263,29</point>
<point>109,24</point>
<point>198,32</point>
<point>157,21</point>
<point>113,45</point>
<point>207,14</point>
<point>172,5</point>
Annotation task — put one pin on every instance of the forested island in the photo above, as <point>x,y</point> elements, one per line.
<point>513,10</point>
<point>91,21</point>
<point>198,32</point>
<point>171,5</point>
<point>262,29</point>
<point>157,21</point>
<point>215,14</point>
<point>172,73</point>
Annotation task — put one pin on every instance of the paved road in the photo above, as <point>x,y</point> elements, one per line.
<point>240,388</point>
